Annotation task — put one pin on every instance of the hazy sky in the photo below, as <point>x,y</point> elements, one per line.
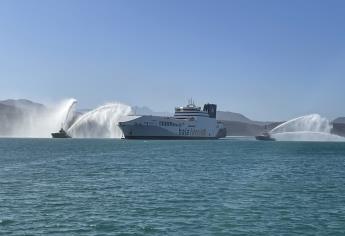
<point>269,60</point>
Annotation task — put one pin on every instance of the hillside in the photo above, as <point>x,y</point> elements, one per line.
<point>14,113</point>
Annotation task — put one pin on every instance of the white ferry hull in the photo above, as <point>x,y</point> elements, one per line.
<point>169,128</point>
<point>149,132</point>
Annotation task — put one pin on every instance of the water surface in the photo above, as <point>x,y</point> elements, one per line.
<point>223,187</point>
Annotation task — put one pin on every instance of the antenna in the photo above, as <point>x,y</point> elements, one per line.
<point>191,101</point>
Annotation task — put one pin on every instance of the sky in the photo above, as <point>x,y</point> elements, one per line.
<point>269,60</point>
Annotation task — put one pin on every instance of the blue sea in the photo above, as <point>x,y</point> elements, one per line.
<point>120,187</point>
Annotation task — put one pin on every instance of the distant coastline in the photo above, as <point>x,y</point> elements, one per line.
<point>13,111</point>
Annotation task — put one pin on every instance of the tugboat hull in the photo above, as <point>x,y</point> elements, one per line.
<point>61,134</point>
<point>264,138</point>
<point>58,135</point>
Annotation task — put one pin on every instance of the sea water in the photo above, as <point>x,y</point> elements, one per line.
<point>120,187</point>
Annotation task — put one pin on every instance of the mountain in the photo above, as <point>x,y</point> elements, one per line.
<point>23,104</point>
<point>232,116</point>
<point>221,115</point>
<point>237,124</point>
<point>237,128</point>
<point>9,115</point>
<point>14,114</point>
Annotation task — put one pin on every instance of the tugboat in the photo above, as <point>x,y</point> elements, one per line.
<point>265,136</point>
<point>61,134</point>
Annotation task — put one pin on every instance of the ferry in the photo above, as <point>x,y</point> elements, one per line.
<point>188,122</point>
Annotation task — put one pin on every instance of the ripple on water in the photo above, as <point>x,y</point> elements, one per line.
<point>223,187</point>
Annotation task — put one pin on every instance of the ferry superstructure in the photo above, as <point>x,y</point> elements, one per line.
<point>188,122</point>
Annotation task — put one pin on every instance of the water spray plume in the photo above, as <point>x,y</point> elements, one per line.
<point>312,123</point>
<point>41,123</point>
<point>101,122</point>
<point>305,128</point>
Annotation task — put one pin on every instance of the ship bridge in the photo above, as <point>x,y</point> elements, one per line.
<point>191,110</point>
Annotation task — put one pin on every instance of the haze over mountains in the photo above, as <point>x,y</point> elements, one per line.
<point>15,112</point>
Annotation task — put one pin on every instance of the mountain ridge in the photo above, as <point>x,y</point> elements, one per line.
<point>14,110</point>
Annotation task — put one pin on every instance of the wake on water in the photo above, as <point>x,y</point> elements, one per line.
<point>308,136</point>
